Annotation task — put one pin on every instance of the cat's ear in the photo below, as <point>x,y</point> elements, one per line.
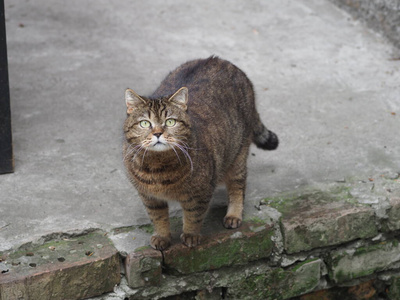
<point>180,98</point>
<point>132,100</point>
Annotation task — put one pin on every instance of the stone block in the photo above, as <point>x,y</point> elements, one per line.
<point>321,219</point>
<point>73,268</point>
<point>143,267</point>
<point>394,288</point>
<point>279,283</point>
<point>393,222</point>
<point>251,242</point>
<point>351,264</point>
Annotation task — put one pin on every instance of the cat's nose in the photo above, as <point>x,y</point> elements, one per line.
<point>157,134</point>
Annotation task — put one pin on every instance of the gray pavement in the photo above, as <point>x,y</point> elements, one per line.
<point>328,86</point>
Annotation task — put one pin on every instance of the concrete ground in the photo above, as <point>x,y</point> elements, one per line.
<point>325,84</point>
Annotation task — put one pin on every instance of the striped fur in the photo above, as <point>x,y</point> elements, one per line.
<point>211,105</point>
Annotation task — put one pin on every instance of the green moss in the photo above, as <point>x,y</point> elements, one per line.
<point>148,228</point>
<point>299,265</point>
<point>255,249</point>
<point>124,229</point>
<point>264,286</point>
<point>63,249</point>
<point>289,203</point>
<point>340,276</point>
<point>334,262</point>
<point>375,247</point>
<point>364,250</point>
<point>368,261</point>
<point>256,221</point>
<point>140,249</point>
<point>278,283</point>
<point>303,278</point>
<point>227,251</point>
<point>343,276</point>
<point>320,232</point>
<point>207,259</point>
<point>362,273</point>
<point>83,242</point>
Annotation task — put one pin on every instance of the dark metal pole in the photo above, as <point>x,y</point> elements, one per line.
<point>6,151</point>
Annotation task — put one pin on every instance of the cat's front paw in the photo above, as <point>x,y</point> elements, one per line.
<point>190,240</point>
<point>232,222</point>
<point>159,242</point>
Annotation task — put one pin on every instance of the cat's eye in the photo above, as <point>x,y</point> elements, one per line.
<point>144,124</point>
<point>170,122</point>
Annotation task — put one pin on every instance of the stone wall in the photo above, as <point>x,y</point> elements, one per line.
<point>381,15</point>
<point>342,235</point>
<point>330,242</point>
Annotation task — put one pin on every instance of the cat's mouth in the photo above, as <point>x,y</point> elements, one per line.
<point>159,146</point>
<point>158,143</point>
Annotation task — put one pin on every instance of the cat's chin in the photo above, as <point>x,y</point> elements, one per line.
<point>159,147</point>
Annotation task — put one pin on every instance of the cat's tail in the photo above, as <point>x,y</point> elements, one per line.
<point>264,138</point>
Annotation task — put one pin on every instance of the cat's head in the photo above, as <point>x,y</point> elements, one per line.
<point>157,124</point>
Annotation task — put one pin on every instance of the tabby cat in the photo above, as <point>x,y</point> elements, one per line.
<point>192,133</point>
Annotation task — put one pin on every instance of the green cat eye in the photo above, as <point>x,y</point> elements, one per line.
<point>144,124</point>
<point>170,122</point>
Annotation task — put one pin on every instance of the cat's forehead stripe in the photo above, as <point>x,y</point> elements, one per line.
<point>164,106</point>
<point>157,107</point>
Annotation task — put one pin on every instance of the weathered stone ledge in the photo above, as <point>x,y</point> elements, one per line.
<point>295,244</point>
<point>70,268</point>
<point>341,238</point>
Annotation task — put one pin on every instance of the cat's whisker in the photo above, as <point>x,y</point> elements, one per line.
<point>180,142</point>
<point>184,151</point>
<point>136,154</point>
<point>137,149</point>
<point>184,144</point>
<point>177,155</point>
<point>131,149</point>
<point>144,154</point>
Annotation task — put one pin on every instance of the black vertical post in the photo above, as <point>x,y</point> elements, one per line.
<point>6,152</point>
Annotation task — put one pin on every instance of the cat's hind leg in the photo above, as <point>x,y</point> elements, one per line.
<point>235,181</point>
<point>159,216</point>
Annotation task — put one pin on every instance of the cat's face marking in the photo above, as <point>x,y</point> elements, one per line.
<point>160,133</point>
<point>157,124</point>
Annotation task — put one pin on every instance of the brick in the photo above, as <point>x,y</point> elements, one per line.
<point>364,261</point>
<point>279,283</point>
<point>251,242</point>
<point>74,268</point>
<point>143,268</point>
<point>322,219</point>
